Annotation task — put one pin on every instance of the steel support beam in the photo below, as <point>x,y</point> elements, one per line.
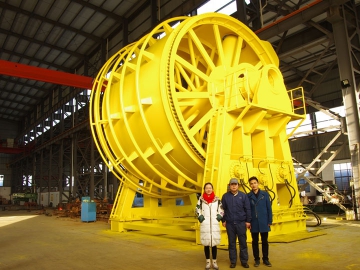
<point>61,170</point>
<point>241,12</point>
<point>12,150</point>
<point>49,172</point>
<point>92,172</point>
<point>75,174</point>
<point>184,8</point>
<point>105,183</point>
<point>343,36</point>
<point>297,17</point>
<point>45,75</point>
<point>41,174</point>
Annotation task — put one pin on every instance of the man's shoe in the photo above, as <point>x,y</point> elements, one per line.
<point>245,265</point>
<point>232,265</point>
<point>257,263</point>
<point>267,263</point>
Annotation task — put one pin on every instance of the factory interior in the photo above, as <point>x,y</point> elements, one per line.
<point>114,114</point>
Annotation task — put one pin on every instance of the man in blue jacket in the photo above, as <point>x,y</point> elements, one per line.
<point>261,219</point>
<point>236,219</point>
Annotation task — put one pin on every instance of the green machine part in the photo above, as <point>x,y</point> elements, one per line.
<point>24,197</point>
<point>198,99</point>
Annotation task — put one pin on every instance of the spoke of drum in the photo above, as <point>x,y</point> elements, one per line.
<point>218,41</point>
<point>183,65</point>
<point>201,49</point>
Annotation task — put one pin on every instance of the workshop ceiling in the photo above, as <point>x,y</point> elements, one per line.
<point>63,35</point>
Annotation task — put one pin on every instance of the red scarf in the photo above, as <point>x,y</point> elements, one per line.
<point>209,197</point>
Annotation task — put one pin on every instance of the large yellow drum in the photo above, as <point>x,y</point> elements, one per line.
<point>198,99</point>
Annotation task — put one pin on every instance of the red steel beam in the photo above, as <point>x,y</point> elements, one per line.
<point>45,75</point>
<point>11,150</point>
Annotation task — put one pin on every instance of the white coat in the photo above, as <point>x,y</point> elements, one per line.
<point>210,234</point>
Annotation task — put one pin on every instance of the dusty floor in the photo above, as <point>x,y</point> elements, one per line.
<point>30,241</point>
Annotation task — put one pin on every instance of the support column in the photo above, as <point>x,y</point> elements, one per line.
<point>241,11</point>
<point>349,91</point>
<point>155,12</point>
<point>125,36</point>
<point>105,184</point>
<point>255,9</point>
<point>115,186</point>
<point>33,188</point>
<point>61,170</point>
<point>49,173</point>
<point>71,181</point>
<point>74,167</point>
<point>41,179</point>
<point>92,170</point>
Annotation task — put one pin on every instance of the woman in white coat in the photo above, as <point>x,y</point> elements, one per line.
<point>209,212</point>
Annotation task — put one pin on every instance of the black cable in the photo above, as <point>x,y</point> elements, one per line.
<point>242,183</point>
<point>269,190</point>
<point>317,217</point>
<point>288,186</point>
<point>259,167</point>
<point>272,198</point>
<point>272,178</point>
<point>244,186</point>
<point>290,173</point>
<point>247,168</point>
<point>266,187</point>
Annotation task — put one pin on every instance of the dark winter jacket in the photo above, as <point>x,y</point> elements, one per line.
<point>261,213</point>
<point>236,207</point>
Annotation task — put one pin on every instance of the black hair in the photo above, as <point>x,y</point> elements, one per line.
<point>208,183</point>
<point>253,178</point>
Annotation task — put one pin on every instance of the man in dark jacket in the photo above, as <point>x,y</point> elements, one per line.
<point>236,219</point>
<point>261,219</point>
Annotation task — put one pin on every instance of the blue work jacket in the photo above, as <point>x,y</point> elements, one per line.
<point>261,213</point>
<point>236,207</point>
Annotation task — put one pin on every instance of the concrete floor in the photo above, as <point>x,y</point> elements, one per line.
<point>30,241</point>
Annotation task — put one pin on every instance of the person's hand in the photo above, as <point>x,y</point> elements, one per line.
<point>201,218</point>
<point>248,225</point>
<point>224,223</point>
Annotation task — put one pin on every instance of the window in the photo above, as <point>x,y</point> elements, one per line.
<point>327,122</point>
<point>303,182</point>
<point>27,180</point>
<point>343,175</point>
<point>324,123</point>
<point>227,7</point>
<point>1,180</point>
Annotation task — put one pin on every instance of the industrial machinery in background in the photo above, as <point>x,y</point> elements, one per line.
<point>88,210</point>
<point>198,99</point>
<point>85,209</point>
<point>28,197</point>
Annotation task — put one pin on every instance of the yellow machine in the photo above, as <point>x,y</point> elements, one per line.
<point>198,99</point>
